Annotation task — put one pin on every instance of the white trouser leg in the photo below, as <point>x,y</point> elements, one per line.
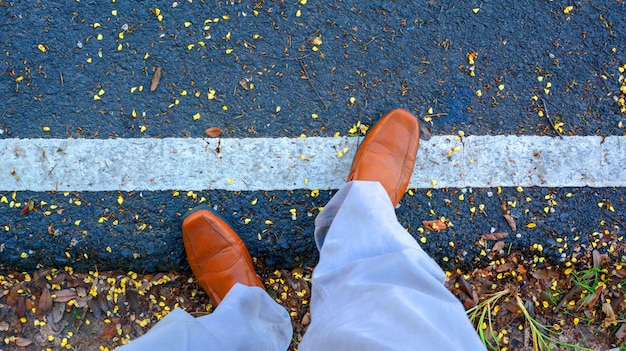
<point>247,319</point>
<point>374,287</point>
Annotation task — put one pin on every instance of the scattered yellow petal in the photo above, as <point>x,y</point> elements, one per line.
<point>568,9</point>
<point>120,199</point>
<point>114,12</point>
<point>352,100</point>
<point>46,129</point>
<point>196,116</point>
<point>475,10</point>
<point>531,225</point>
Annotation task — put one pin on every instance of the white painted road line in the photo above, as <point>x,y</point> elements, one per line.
<point>287,164</point>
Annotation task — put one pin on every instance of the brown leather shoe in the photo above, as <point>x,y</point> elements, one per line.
<point>217,256</point>
<point>387,154</point>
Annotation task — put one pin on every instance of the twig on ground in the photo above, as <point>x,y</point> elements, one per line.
<point>436,114</point>
<point>82,318</point>
<point>545,109</point>
<point>311,83</point>
<point>614,219</point>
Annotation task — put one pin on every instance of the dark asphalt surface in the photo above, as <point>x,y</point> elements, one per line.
<point>52,237</point>
<point>385,54</point>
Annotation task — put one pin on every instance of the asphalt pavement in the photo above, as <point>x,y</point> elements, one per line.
<point>272,69</point>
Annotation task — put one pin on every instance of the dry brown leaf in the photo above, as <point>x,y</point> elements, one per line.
<point>58,310</point>
<point>157,277</point>
<point>110,330</point>
<point>505,267</point>
<point>95,308</point>
<point>597,260</point>
<point>30,304</point>
<point>494,236</point>
<point>607,309</point>
<point>511,221</point>
<point>4,326</point>
<point>29,207</point>
<point>45,301</point>
<point>498,246</point>
<point>306,319</point>
<point>620,273</point>
<point>543,277</point>
<point>156,78</point>
<point>213,132</point>
<point>591,299</point>
<point>133,300</point>
<point>12,296</point>
<point>435,225</point>
<point>512,307</point>
<point>23,342</point>
<point>465,286</point>
<point>58,279</point>
<point>21,306</point>
<point>64,295</point>
<point>244,84</point>
<point>82,301</point>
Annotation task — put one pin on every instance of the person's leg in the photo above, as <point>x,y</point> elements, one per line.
<point>374,287</point>
<point>246,317</point>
